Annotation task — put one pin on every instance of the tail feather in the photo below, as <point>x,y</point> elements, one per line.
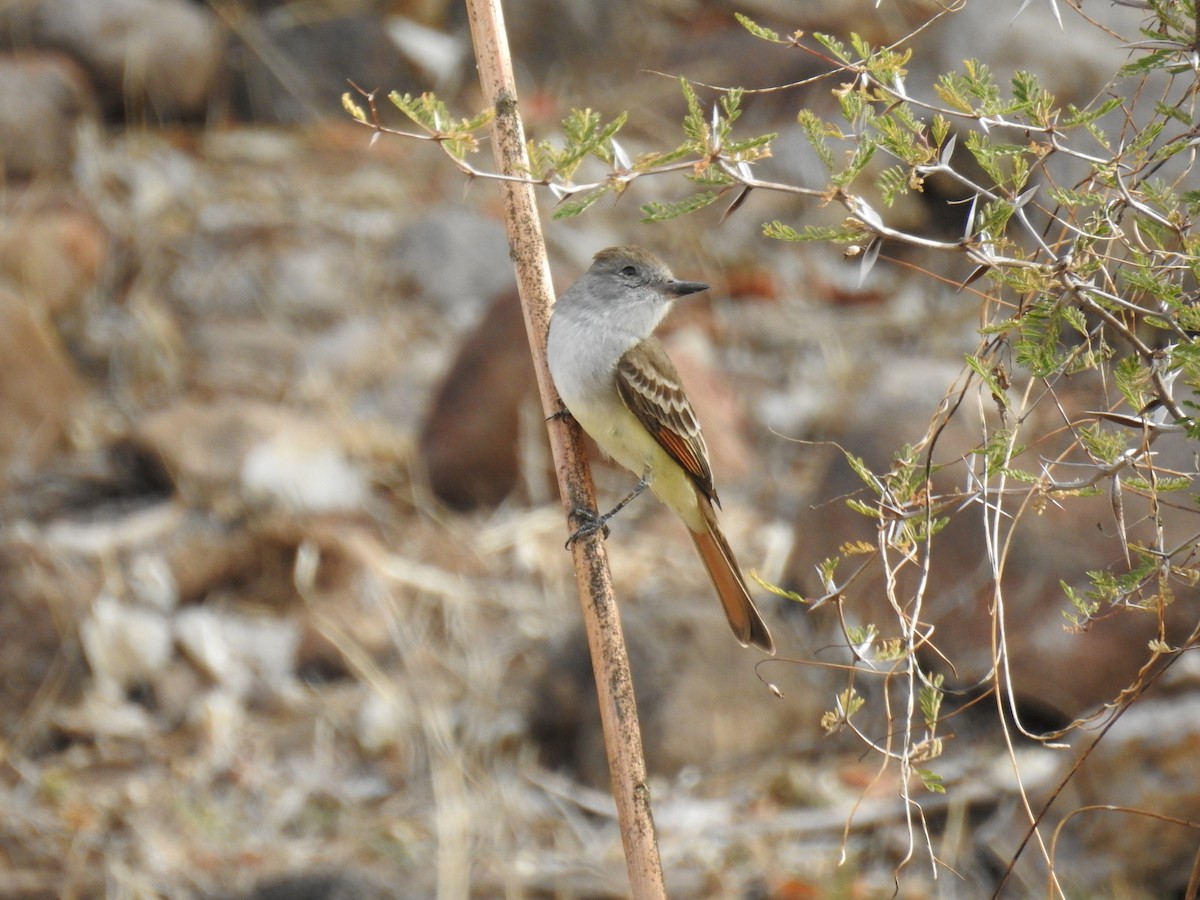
<point>748,626</point>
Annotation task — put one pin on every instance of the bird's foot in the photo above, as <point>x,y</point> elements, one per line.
<point>590,522</point>
<point>562,415</point>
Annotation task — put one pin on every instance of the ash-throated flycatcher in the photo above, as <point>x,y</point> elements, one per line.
<point>616,381</point>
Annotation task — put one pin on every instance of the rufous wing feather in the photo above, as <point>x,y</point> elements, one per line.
<point>650,386</point>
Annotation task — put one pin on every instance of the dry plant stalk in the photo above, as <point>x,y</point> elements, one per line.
<point>606,640</point>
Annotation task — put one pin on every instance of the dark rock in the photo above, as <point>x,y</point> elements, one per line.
<point>469,443</point>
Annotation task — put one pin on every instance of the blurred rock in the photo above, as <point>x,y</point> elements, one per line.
<point>301,275</point>
<point>151,581</point>
<point>246,358</point>
<point>384,720</point>
<point>455,259</point>
<point>55,249</point>
<point>42,595</point>
<point>237,651</point>
<point>44,97</point>
<point>153,59</point>
<point>97,486</point>
<point>591,40</point>
<point>199,554</point>
<point>40,390</point>
<point>124,645</point>
<point>1146,764</point>
<point>469,443</point>
<point>293,66</point>
<point>302,471</point>
<point>217,451</point>
<point>102,716</point>
<point>146,185</point>
<point>331,886</point>
<point>221,714</point>
<point>441,59</point>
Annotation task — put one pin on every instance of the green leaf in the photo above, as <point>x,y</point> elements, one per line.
<point>749,149</point>
<point>1105,446</point>
<point>834,46</point>
<point>731,104</point>
<point>1161,483</point>
<point>1038,346</point>
<point>1085,605</point>
<point>973,91</point>
<point>664,212</point>
<point>574,206</point>
<point>864,509</point>
<point>817,132</point>
<point>1076,116</point>
<point>1132,380</point>
<point>931,781</point>
<point>1032,99</point>
<point>455,135</point>
<point>587,135</point>
<point>1157,59</point>
<point>647,161</point>
<point>695,123</point>
<point>758,30</point>
<point>989,374</point>
<point>859,160</point>
<point>353,108</point>
<point>863,471</point>
<point>778,231</point>
<point>892,182</point>
<point>939,130</point>
<point>1075,199</point>
<point>1173,112</point>
<point>930,699</point>
<point>776,589</point>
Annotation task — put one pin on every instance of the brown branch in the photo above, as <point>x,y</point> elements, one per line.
<point>610,660</point>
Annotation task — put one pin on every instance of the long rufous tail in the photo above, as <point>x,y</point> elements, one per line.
<point>748,626</point>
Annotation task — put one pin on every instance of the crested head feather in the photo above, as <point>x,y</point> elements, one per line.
<point>614,259</point>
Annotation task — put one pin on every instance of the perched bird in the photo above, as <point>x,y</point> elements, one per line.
<point>617,382</point>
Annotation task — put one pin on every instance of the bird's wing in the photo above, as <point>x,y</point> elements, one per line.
<point>650,386</point>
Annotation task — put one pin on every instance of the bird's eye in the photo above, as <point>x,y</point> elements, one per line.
<point>629,271</point>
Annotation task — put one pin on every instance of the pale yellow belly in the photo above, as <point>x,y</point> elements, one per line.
<point>620,435</point>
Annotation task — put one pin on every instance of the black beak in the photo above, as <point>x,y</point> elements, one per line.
<point>683,288</point>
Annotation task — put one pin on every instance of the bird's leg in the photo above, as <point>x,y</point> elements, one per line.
<point>643,483</point>
<point>591,522</point>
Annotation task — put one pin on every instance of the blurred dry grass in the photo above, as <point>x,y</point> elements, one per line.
<point>244,646</point>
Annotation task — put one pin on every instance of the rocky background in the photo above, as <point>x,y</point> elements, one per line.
<point>284,608</point>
